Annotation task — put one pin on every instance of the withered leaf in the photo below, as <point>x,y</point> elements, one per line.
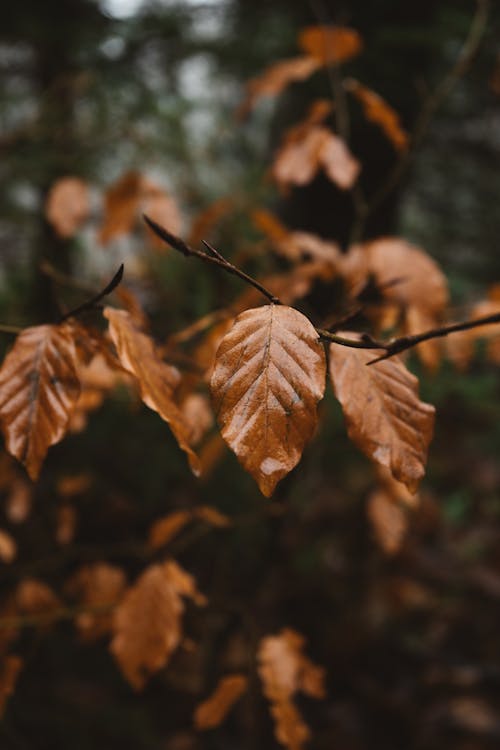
<point>268,377</point>
<point>9,672</point>
<point>212,712</point>
<point>284,670</point>
<point>330,44</point>
<point>39,387</point>
<point>384,415</point>
<point>121,205</point>
<point>148,623</point>
<point>388,519</point>
<point>156,378</point>
<point>8,547</point>
<point>98,587</point>
<point>67,205</point>
<point>165,529</point>
<point>379,112</point>
<point>275,78</point>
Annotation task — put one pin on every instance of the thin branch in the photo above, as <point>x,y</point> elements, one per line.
<point>217,259</point>
<point>430,105</point>
<point>4,328</point>
<point>92,303</point>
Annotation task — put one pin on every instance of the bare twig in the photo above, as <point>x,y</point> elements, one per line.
<point>92,303</point>
<point>217,259</point>
<point>366,341</point>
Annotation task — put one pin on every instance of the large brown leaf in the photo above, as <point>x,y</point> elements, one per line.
<point>148,622</point>
<point>39,388</point>
<point>384,415</point>
<point>156,378</point>
<point>268,377</point>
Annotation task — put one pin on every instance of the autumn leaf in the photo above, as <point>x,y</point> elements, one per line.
<point>8,547</point>
<point>67,205</point>
<point>330,44</point>
<point>275,78</point>
<point>98,587</point>
<point>162,208</point>
<point>165,529</point>
<point>9,672</point>
<point>121,204</point>
<point>148,622</point>
<point>389,520</point>
<point>296,246</point>
<point>39,388</point>
<point>379,112</point>
<point>212,712</point>
<point>156,378</point>
<point>284,670</point>
<point>384,415</point>
<point>268,377</point>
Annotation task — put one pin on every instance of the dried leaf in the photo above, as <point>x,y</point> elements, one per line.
<point>34,597</point>
<point>67,205</point>
<point>66,523</point>
<point>378,111</point>
<point>206,220</point>
<point>198,415</point>
<point>162,208</point>
<point>9,672</point>
<point>275,78</point>
<point>212,516</point>
<point>429,352</point>
<point>8,547</point>
<point>268,378</point>
<point>212,712</point>
<point>296,246</point>
<point>73,484</point>
<point>165,529</point>
<point>121,206</point>
<point>147,624</point>
<point>330,44</point>
<point>19,500</point>
<point>284,670</point>
<point>384,415</point>
<point>156,379</point>
<point>307,150</point>
<point>389,521</point>
<point>39,388</point>
<point>99,587</point>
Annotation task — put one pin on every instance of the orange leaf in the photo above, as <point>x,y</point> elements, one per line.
<point>389,520</point>
<point>121,206</point>
<point>99,587</point>
<point>284,670</point>
<point>165,529</point>
<point>156,379</point>
<point>162,208</point>
<point>378,111</point>
<point>9,673</point>
<point>39,388</point>
<point>275,78</point>
<point>147,624</point>
<point>268,377</point>
<point>212,712</point>
<point>34,597</point>
<point>330,44</point>
<point>384,415</point>
<point>67,205</point>
<point>8,547</point>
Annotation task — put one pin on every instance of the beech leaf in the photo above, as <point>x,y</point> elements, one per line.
<point>67,206</point>
<point>268,377</point>
<point>384,415</point>
<point>212,712</point>
<point>147,624</point>
<point>156,378</point>
<point>379,112</point>
<point>330,44</point>
<point>39,387</point>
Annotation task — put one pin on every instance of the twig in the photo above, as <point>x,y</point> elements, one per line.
<point>91,303</point>
<point>366,341</point>
<point>431,104</point>
<point>4,328</point>
<point>218,260</point>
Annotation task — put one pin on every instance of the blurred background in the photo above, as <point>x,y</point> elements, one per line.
<point>403,608</point>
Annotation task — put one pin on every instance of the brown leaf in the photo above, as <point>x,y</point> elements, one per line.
<point>212,712</point>
<point>211,516</point>
<point>378,111</point>
<point>284,670</point>
<point>165,529</point>
<point>198,415</point>
<point>384,415</point>
<point>99,587</point>
<point>67,205</point>
<point>9,672</point>
<point>330,44</point>
<point>147,624</point>
<point>156,379</point>
<point>205,221</point>
<point>39,388</point>
<point>34,597</point>
<point>162,208</point>
<point>429,352</point>
<point>8,547</point>
<point>121,206</point>
<point>19,500</point>
<point>388,519</point>
<point>307,150</point>
<point>66,523</point>
<point>268,377</point>
<point>275,78</point>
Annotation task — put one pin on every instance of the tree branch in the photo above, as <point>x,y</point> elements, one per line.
<point>91,303</point>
